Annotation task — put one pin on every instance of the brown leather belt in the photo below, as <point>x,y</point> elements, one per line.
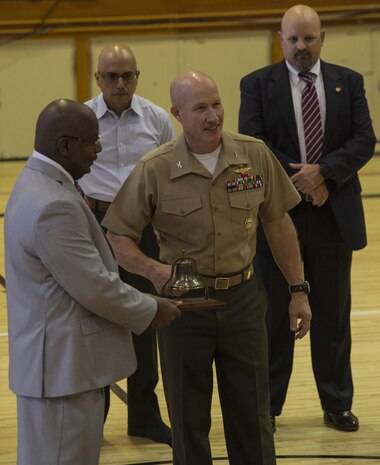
<point>225,282</point>
<point>97,205</point>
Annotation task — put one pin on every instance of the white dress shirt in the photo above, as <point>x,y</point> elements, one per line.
<point>140,129</point>
<point>297,84</point>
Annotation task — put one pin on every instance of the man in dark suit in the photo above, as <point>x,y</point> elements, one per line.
<point>330,219</point>
<point>70,317</point>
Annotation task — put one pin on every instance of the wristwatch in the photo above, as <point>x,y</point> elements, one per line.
<point>304,287</point>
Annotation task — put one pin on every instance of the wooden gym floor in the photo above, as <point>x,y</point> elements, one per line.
<point>301,437</point>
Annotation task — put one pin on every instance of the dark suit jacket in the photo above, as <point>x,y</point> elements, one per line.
<point>267,112</point>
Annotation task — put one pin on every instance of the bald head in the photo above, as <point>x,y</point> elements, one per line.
<point>67,132</point>
<point>115,53</point>
<point>186,84</point>
<point>62,118</point>
<point>117,76</point>
<point>301,37</point>
<point>196,105</point>
<point>300,13</point>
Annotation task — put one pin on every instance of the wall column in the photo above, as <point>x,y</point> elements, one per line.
<point>277,54</point>
<point>82,68</point>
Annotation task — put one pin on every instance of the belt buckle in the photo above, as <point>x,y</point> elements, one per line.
<point>222,283</point>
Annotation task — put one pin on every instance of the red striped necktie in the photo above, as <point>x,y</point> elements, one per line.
<point>312,122</point>
<point>78,188</point>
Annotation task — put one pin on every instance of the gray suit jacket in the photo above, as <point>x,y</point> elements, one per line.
<point>70,317</point>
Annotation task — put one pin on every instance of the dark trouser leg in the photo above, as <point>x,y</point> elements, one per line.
<point>186,352</point>
<point>242,370</point>
<point>143,408</point>
<point>327,266</point>
<point>280,338</point>
<point>99,215</point>
<point>236,338</point>
<point>107,402</point>
<point>327,263</point>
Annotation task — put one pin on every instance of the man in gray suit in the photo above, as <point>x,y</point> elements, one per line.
<point>70,316</point>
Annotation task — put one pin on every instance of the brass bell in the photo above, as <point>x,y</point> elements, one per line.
<point>184,277</point>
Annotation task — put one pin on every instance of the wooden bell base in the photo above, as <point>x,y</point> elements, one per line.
<point>200,303</point>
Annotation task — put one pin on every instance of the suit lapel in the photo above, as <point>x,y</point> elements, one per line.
<point>53,173</point>
<point>47,169</point>
<point>334,90</point>
<point>57,175</point>
<point>282,94</point>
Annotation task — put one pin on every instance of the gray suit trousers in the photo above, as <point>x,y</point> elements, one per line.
<point>60,430</point>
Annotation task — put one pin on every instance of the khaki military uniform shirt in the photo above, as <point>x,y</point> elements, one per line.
<point>212,218</point>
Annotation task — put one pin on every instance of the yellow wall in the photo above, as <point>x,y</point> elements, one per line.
<point>225,58</point>
<point>32,73</point>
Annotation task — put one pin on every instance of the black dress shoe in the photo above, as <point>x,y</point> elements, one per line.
<point>344,420</point>
<point>272,419</point>
<point>157,433</point>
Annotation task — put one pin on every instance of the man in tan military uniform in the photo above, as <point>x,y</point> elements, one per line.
<point>203,194</point>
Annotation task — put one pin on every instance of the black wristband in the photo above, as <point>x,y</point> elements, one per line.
<point>326,171</point>
<point>304,287</point>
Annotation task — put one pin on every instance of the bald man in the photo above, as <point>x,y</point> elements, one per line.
<point>203,193</point>
<point>129,127</point>
<point>70,317</point>
<point>322,155</point>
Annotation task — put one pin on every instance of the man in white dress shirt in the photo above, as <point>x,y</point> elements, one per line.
<point>129,127</point>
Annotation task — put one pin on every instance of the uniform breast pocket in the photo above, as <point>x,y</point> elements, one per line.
<point>183,218</point>
<point>244,211</point>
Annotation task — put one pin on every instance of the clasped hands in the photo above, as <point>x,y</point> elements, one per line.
<point>309,181</point>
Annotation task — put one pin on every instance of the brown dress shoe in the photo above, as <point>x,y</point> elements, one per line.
<point>343,420</point>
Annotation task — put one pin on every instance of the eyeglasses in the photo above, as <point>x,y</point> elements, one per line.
<point>111,78</point>
<point>83,139</point>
